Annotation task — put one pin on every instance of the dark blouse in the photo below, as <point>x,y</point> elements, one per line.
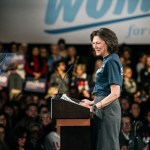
<point>111,72</point>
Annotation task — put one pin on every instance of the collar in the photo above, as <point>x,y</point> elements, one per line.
<point>104,58</point>
<point>125,135</point>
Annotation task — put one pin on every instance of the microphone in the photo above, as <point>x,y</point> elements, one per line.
<point>58,93</point>
<point>136,125</point>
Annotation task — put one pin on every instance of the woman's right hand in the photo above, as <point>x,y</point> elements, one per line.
<point>88,102</point>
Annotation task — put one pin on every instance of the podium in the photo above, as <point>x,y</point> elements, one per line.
<point>74,122</point>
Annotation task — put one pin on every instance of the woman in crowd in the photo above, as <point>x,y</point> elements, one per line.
<point>34,66</point>
<point>125,105</point>
<point>19,139</point>
<point>59,79</point>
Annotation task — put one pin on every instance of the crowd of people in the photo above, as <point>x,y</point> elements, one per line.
<point>33,75</point>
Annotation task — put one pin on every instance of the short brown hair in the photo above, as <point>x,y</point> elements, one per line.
<point>108,36</point>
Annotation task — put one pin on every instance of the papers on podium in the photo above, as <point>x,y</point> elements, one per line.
<point>66,98</point>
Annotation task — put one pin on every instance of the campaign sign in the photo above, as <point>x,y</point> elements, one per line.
<point>6,61</point>
<point>33,85</point>
<point>3,80</point>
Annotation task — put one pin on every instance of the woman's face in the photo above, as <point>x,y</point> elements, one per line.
<point>79,71</point>
<point>22,140</point>
<point>99,46</point>
<point>128,73</point>
<point>71,52</point>
<point>124,104</point>
<point>54,49</point>
<point>3,120</point>
<point>43,52</point>
<point>46,120</point>
<point>9,111</point>
<point>62,66</point>
<point>126,124</point>
<point>14,48</point>
<point>126,54</point>
<point>135,110</point>
<point>35,51</point>
<point>2,133</point>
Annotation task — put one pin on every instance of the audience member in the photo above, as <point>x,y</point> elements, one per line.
<point>54,56</point>
<point>52,140</point>
<point>35,66</point>
<point>13,47</point>
<point>129,84</point>
<point>127,138</point>
<point>8,110</point>
<point>72,60</point>
<point>125,133</point>
<point>3,144</point>
<point>22,48</point>
<point>2,132</point>
<point>125,105</point>
<point>31,116</point>
<point>44,54</point>
<point>43,108</point>
<point>19,139</point>
<point>59,79</point>
<point>47,123</point>
<point>97,65</point>
<point>72,56</point>
<point>126,54</point>
<point>82,81</point>
<point>135,112</point>
<point>3,119</point>
<point>140,65</point>
<point>35,141</point>
<point>145,73</point>
<point>145,129</point>
<point>62,48</point>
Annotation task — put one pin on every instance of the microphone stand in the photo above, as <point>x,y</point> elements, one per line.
<point>63,79</point>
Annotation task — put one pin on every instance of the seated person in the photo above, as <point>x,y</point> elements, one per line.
<point>126,137</point>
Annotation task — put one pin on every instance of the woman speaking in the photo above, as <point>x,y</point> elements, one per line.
<point>109,77</point>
